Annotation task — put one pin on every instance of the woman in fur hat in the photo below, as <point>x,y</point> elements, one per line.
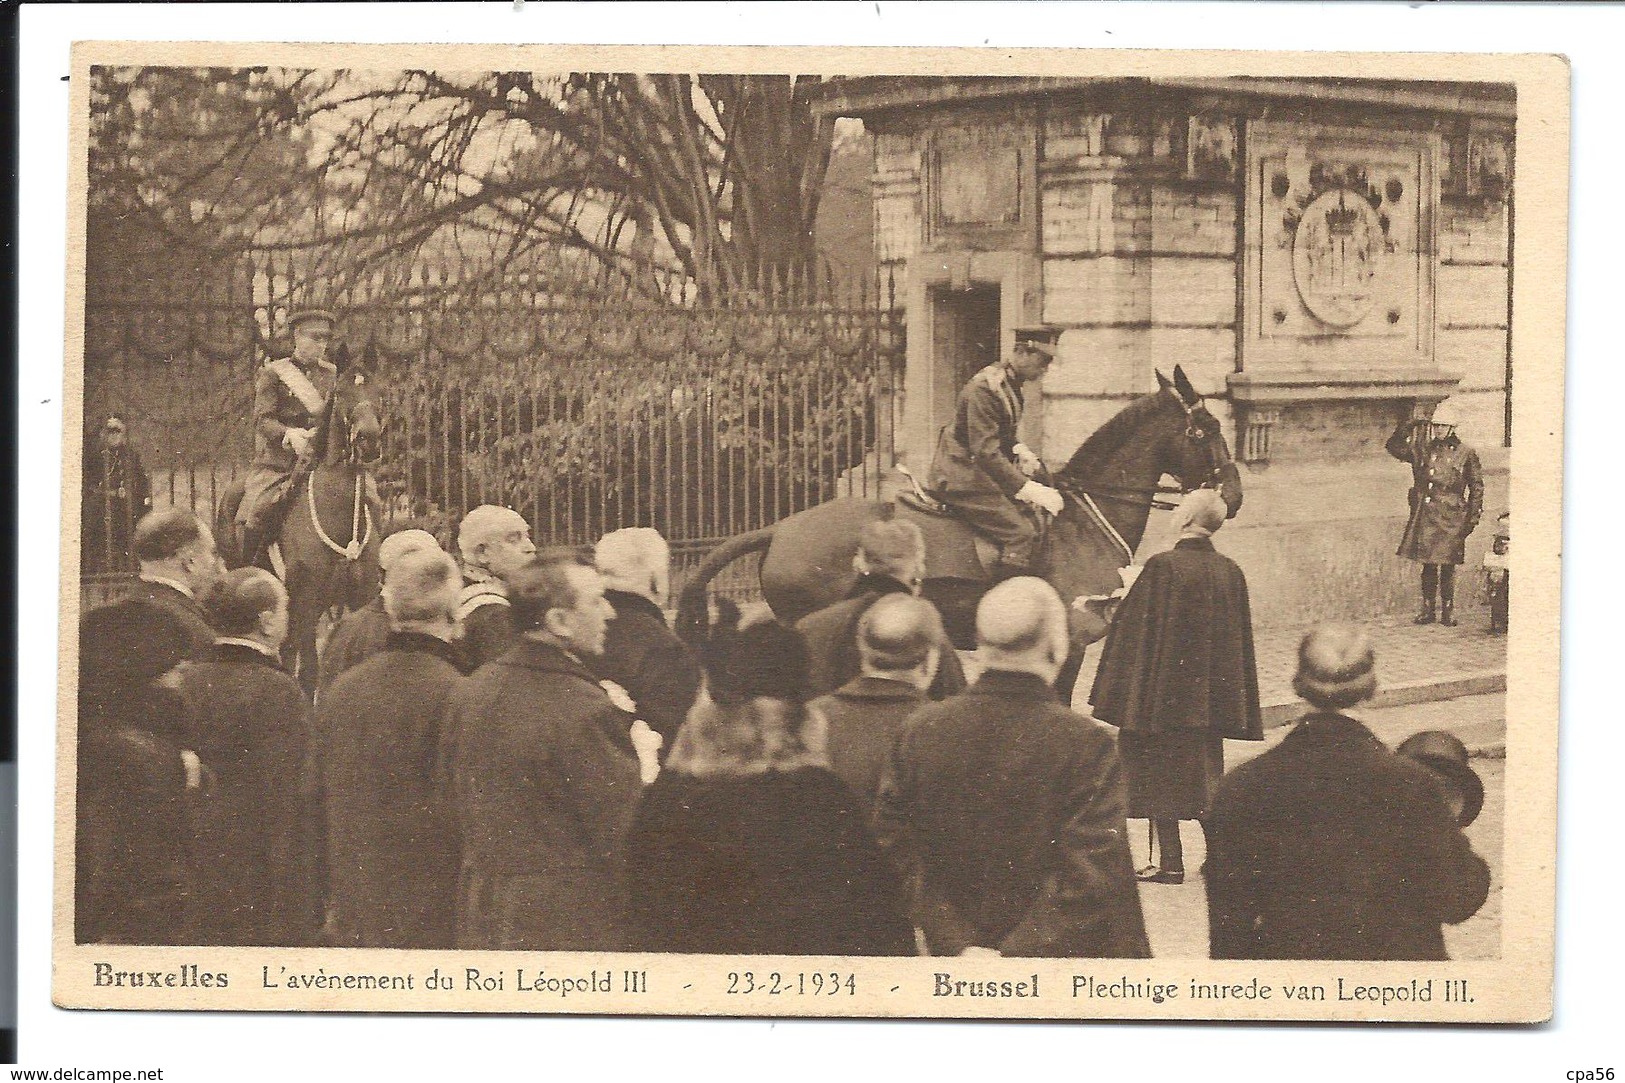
<point>747,843</point>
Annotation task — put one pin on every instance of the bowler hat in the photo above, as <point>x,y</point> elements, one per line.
<point>1444,754</point>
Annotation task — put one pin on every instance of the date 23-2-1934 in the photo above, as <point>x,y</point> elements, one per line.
<point>818,983</point>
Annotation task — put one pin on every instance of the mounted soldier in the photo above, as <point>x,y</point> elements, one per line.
<point>981,470</point>
<point>289,394</point>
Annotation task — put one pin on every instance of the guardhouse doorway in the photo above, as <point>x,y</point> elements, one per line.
<point>966,337</point>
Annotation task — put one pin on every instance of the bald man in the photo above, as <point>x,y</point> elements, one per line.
<point>1005,810</point>
<point>494,542</point>
<point>362,632</point>
<point>899,648</point>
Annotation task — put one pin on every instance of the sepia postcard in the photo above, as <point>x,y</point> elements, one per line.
<point>836,532</point>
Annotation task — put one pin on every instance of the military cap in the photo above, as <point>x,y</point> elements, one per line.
<point>1039,337</point>
<point>307,315</point>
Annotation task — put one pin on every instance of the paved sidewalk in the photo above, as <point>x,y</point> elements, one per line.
<point>1415,664</point>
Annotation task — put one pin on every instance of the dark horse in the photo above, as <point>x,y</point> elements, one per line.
<point>329,534</point>
<point>1110,484</point>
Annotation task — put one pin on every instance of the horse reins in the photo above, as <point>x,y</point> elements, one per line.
<point>360,514</point>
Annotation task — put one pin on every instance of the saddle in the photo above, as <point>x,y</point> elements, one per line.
<point>954,548</point>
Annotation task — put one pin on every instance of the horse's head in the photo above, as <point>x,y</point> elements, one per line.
<point>355,432</point>
<point>1195,452</point>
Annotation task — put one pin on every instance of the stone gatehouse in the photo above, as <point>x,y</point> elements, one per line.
<point>1322,256</point>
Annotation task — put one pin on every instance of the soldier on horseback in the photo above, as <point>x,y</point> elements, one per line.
<point>289,394</point>
<point>980,469</point>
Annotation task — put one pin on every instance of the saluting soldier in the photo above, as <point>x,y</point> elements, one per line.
<point>1447,498</point>
<point>289,394</point>
<point>980,468</point>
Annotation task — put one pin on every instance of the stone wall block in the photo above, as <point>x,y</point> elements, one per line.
<point>1477,356</point>
<point>1472,296</point>
<point>1193,291</point>
<point>1094,291</point>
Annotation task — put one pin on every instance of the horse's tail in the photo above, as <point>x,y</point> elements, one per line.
<point>692,610</point>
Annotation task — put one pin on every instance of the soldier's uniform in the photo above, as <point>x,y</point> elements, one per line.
<point>287,395</point>
<point>975,469</point>
<point>1447,498</point>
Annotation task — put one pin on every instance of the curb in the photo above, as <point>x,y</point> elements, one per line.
<point>1478,683</point>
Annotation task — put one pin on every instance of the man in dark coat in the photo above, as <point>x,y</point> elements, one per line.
<point>256,825</point>
<point>494,542</point>
<point>899,641</point>
<point>641,653</point>
<point>289,396</point>
<point>135,778</point>
<point>1177,676</point>
<point>392,844</point>
<point>1329,846</point>
<point>363,632</point>
<point>545,776</point>
<point>1004,810</point>
<point>980,469</point>
<point>890,560</point>
<point>178,564</point>
<point>117,494</point>
<point>1447,499</point>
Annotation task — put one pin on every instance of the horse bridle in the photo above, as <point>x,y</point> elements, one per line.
<point>361,524</point>
<point>1138,497</point>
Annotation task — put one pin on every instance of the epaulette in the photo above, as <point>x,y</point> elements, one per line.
<point>475,595</point>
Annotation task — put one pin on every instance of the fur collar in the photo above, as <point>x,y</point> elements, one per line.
<point>749,738</point>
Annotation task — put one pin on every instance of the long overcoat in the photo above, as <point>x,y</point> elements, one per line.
<point>182,608</point>
<point>831,635</point>
<point>1446,496</point>
<point>771,862</point>
<point>132,861</point>
<point>392,842</point>
<point>359,634</point>
<point>866,716</point>
<point>545,781</point>
<point>1004,811</point>
<point>254,828</point>
<point>1330,846</point>
<point>644,656</point>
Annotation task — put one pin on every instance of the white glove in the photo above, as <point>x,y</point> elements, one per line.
<point>646,742</point>
<point>299,441</point>
<point>1041,496</point>
<point>1029,463</point>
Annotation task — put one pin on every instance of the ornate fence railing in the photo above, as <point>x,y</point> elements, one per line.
<point>584,413</point>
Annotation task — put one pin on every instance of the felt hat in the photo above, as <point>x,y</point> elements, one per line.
<point>1337,667</point>
<point>1445,755</point>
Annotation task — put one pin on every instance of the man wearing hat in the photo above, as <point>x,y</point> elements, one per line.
<point>1330,846</point>
<point>979,467</point>
<point>362,632</point>
<point>1447,498</point>
<point>289,394</point>
<point>117,493</point>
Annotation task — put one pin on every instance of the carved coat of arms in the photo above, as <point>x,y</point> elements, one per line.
<point>1336,252</point>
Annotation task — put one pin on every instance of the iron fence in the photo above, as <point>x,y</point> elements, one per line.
<point>620,407</point>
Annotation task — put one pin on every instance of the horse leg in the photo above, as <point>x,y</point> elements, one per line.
<point>306,600</point>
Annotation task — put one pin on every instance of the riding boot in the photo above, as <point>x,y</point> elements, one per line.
<point>1447,595</point>
<point>252,544</point>
<point>1430,587</point>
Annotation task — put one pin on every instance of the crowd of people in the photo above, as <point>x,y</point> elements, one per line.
<point>510,749</point>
